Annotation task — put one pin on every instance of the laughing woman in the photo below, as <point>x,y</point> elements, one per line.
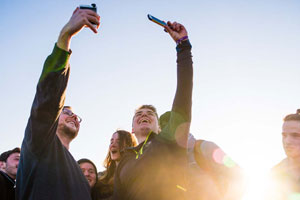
<point>120,140</point>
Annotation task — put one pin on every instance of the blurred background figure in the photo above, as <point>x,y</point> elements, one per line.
<point>8,172</point>
<point>286,174</point>
<point>120,140</point>
<point>89,170</point>
<point>211,173</point>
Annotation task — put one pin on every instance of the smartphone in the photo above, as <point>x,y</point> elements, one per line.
<point>92,7</point>
<point>157,21</point>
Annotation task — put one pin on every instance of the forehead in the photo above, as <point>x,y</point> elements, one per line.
<point>13,155</point>
<point>68,108</point>
<point>144,110</point>
<point>115,135</point>
<point>291,127</point>
<point>87,165</point>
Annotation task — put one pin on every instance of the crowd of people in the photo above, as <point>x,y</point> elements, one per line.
<point>160,159</point>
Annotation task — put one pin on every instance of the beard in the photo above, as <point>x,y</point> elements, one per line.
<point>69,132</point>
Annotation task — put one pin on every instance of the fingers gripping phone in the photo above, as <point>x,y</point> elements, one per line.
<point>92,7</point>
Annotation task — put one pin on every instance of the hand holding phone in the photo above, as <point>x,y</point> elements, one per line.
<point>92,7</point>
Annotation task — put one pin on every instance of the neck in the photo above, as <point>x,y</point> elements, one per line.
<point>294,162</point>
<point>64,139</point>
<point>10,175</point>
<point>141,138</point>
<point>294,166</point>
<point>142,135</point>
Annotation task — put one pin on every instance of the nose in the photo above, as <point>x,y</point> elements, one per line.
<point>74,116</point>
<point>86,173</point>
<point>288,140</point>
<point>144,114</point>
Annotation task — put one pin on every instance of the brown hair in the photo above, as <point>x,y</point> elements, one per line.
<point>126,139</point>
<point>293,117</point>
<point>148,106</point>
<point>5,155</point>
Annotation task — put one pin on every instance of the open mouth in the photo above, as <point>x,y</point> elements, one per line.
<point>144,121</point>
<point>72,122</point>
<point>114,151</point>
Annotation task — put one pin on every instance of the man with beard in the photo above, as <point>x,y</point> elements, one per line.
<point>47,170</point>
<point>155,168</point>
<point>286,174</point>
<point>8,172</point>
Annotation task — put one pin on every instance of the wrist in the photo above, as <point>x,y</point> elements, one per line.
<point>184,38</point>
<point>63,41</point>
<point>184,45</point>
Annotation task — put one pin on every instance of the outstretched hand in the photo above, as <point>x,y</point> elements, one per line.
<point>176,30</point>
<point>80,18</point>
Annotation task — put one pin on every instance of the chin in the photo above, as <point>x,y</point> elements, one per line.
<point>115,158</point>
<point>71,132</point>
<point>145,130</point>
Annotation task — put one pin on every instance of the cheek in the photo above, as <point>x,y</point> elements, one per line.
<point>297,142</point>
<point>60,119</point>
<point>94,177</point>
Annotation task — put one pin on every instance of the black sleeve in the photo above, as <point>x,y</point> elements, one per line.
<point>48,101</point>
<point>179,123</point>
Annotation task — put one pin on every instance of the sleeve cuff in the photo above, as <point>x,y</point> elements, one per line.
<point>184,45</point>
<point>61,51</point>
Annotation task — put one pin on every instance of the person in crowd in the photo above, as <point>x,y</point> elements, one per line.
<point>89,170</point>
<point>119,141</point>
<point>8,172</point>
<point>286,175</point>
<point>47,170</point>
<point>155,169</point>
<point>1,164</point>
<point>211,173</point>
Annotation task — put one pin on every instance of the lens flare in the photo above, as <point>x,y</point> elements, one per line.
<point>294,196</point>
<point>228,162</point>
<point>221,158</point>
<point>218,156</point>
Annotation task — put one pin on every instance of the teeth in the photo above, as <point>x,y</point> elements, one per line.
<point>144,120</point>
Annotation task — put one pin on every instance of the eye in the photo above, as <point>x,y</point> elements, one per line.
<point>284,134</point>
<point>138,114</point>
<point>295,135</point>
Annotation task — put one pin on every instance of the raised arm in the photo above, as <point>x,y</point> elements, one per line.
<point>50,93</point>
<point>180,118</point>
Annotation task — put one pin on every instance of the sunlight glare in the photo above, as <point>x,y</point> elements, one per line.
<point>258,182</point>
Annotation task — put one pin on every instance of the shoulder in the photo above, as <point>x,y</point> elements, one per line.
<point>3,179</point>
<point>102,190</point>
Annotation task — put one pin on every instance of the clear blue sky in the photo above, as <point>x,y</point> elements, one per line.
<point>246,70</point>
